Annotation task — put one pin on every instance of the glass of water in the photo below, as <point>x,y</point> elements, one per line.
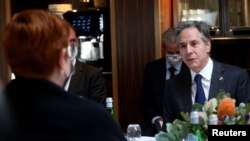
<point>133,131</point>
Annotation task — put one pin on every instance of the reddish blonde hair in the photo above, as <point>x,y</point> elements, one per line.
<point>32,42</point>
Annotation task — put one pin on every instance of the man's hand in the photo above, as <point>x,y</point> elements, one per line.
<point>158,124</point>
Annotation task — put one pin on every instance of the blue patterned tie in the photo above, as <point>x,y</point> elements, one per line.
<point>200,94</point>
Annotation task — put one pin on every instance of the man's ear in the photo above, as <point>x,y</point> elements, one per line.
<point>208,47</point>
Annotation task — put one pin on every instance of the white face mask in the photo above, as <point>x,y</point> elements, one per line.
<point>67,76</point>
<point>174,58</point>
<point>72,51</point>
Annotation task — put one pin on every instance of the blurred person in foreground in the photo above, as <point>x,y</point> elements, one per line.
<point>155,75</point>
<point>87,81</point>
<point>39,51</point>
<point>1,86</point>
<point>194,42</point>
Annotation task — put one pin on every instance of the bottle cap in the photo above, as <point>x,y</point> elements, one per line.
<point>109,99</point>
<point>194,116</point>
<point>213,119</point>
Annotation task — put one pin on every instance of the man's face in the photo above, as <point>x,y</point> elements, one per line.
<point>72,35</point>
<point>172,53</point>
<point>194,51</point>
<point>73,44</point>
<point>71,52</point>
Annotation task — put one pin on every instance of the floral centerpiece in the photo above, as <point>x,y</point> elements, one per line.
<point>223,106</point>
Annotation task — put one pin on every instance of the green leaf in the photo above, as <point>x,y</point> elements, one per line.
<point>247,107</point>
<point>161,136</point>
<point>197,107</point>
<point>222,94</point>
<point>179,130</point>
<point>186,117</point>
<point>176,131</point>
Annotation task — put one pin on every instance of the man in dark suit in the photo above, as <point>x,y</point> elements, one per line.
<point>86,81</point>
<point>194,42</point>
<point>155,75</point>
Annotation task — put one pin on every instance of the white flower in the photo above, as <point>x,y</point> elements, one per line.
<point>210,105</point>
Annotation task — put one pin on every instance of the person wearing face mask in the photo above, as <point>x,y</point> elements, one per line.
<point>87,81</point>
<point>39,51</point>
<point>155,75</point>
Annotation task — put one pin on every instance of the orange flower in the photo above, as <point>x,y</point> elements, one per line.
<point>226,107</point>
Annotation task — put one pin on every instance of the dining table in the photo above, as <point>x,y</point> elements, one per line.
<point>145,138</point>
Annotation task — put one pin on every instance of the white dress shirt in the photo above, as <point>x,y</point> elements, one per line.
<point>66,86</point>
<point>177,67</point>
<point>206,74</point>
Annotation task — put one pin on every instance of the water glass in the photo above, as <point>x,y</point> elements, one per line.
<point>133,131</point>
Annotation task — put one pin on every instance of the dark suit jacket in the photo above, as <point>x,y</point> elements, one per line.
<point>88,82</point>
<point>177,97</point>
<point>43,111</point>
<point>153,88</point>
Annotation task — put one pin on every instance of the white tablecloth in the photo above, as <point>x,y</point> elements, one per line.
<point>145,138</point>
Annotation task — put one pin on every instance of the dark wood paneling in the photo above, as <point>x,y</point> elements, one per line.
<point>4,16</point>
<point>19,5</point>
<point>135,46</point>
<point>233,51</point>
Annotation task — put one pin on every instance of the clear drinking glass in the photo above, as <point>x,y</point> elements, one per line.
<point>133,131</point>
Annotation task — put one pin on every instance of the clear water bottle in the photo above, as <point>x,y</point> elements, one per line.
<point>195,131</point>
<point>109,105</point>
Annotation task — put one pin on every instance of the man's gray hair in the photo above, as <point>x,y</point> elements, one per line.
<point>201,26</point>
<point>168,36</point>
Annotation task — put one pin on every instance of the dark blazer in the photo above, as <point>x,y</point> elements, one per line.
<point>177,97</point>
<point>88,82</point>
<point>153,88</point>
<point>43,111</point>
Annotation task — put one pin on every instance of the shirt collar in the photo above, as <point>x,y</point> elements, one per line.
<point>206,72</point>
<point>74,62</point>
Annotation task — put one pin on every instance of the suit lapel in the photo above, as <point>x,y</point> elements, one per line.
<point>73,83</point>
<point>75,77</point>
<point>217,80</point>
